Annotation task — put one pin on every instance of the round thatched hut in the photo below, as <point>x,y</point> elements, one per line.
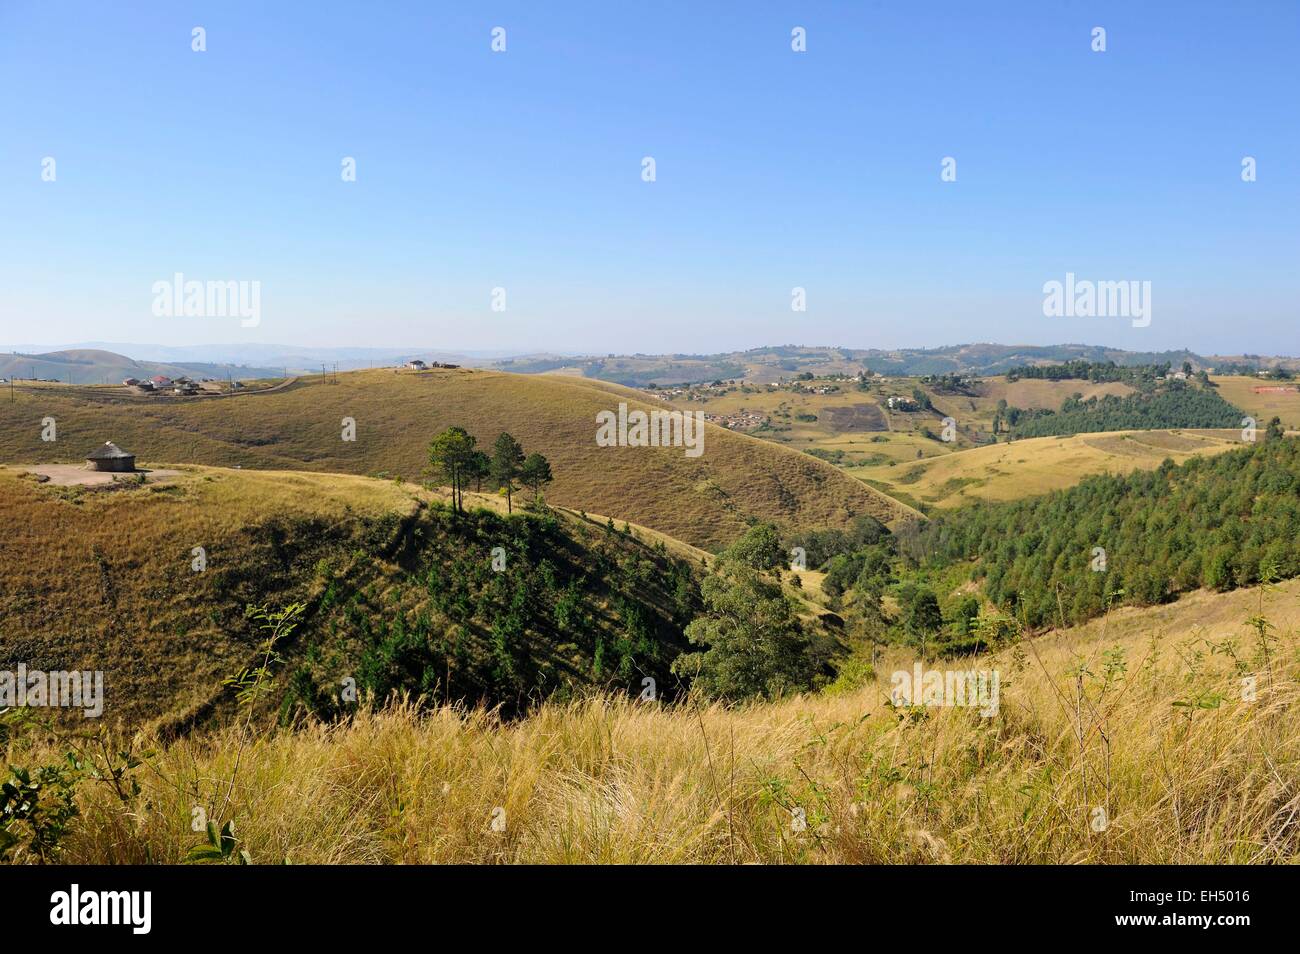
<point>110,457</point>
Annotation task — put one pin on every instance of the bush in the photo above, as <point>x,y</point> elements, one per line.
<point>752,642</point>
<point>759,548</point>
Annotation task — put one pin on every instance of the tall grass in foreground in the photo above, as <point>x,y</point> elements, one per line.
<point>1154,734</point>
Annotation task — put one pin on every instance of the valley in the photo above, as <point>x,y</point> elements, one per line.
<point>889,432</point>
<point>827,538</point>
<point>686,434</point>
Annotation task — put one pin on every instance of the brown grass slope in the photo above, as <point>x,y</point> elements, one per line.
<point>102,579</point>
<point>1039,465</point>
<point>1160,760</point>
<point>705,501</point>
<point>1265,404</point>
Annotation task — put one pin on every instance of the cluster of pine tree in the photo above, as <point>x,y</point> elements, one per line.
<point>1179,406</point>
<point>1098,372</point>
<point>1220,522</point>
<point>496,610</point>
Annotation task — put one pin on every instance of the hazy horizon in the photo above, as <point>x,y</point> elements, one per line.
<point>250,349</point>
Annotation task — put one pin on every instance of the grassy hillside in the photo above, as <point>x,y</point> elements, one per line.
<point>706,501</point>
<point>1128,741</point>
<point>857,422</point>
<point>91,366</point>
<point>1275,399</point>
<point>761,365</point>
<point>890,450</point>
<point>399,593</point>
<point>1009,471</point>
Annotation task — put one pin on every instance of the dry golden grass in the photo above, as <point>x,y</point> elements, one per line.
<point>621,781</point>
<point>1038,465</point>
<point>880,458</point>
<point>102,579</point>
<point>706,501</point>
<point>1043,394</point>
<point>836,426</point>
<point>1240,390</point>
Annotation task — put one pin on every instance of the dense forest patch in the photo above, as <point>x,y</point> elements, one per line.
<point>1168,407</point>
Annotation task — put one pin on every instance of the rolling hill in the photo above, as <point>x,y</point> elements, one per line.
<point>90,366</point>
<point>901,453</point>
<point>1263,399</point>
<point>1009,471</point>
<point>767,364</point>
<point>856,421</point>
<point>706,501</point>
<point>399,593</point>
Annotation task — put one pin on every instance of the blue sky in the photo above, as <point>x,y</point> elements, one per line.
<point>775,169</point>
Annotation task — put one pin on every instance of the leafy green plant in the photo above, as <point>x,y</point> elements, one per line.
<point>220,847</point>
<point>36,809</point>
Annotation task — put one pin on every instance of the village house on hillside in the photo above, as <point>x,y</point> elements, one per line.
<point>738,420</point>
<point>416,365</point>
<point>110,457</point>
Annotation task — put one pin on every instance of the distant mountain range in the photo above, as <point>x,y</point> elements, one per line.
<point>296,358</point>
<point>90,364</point>
<point>762,365</point>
